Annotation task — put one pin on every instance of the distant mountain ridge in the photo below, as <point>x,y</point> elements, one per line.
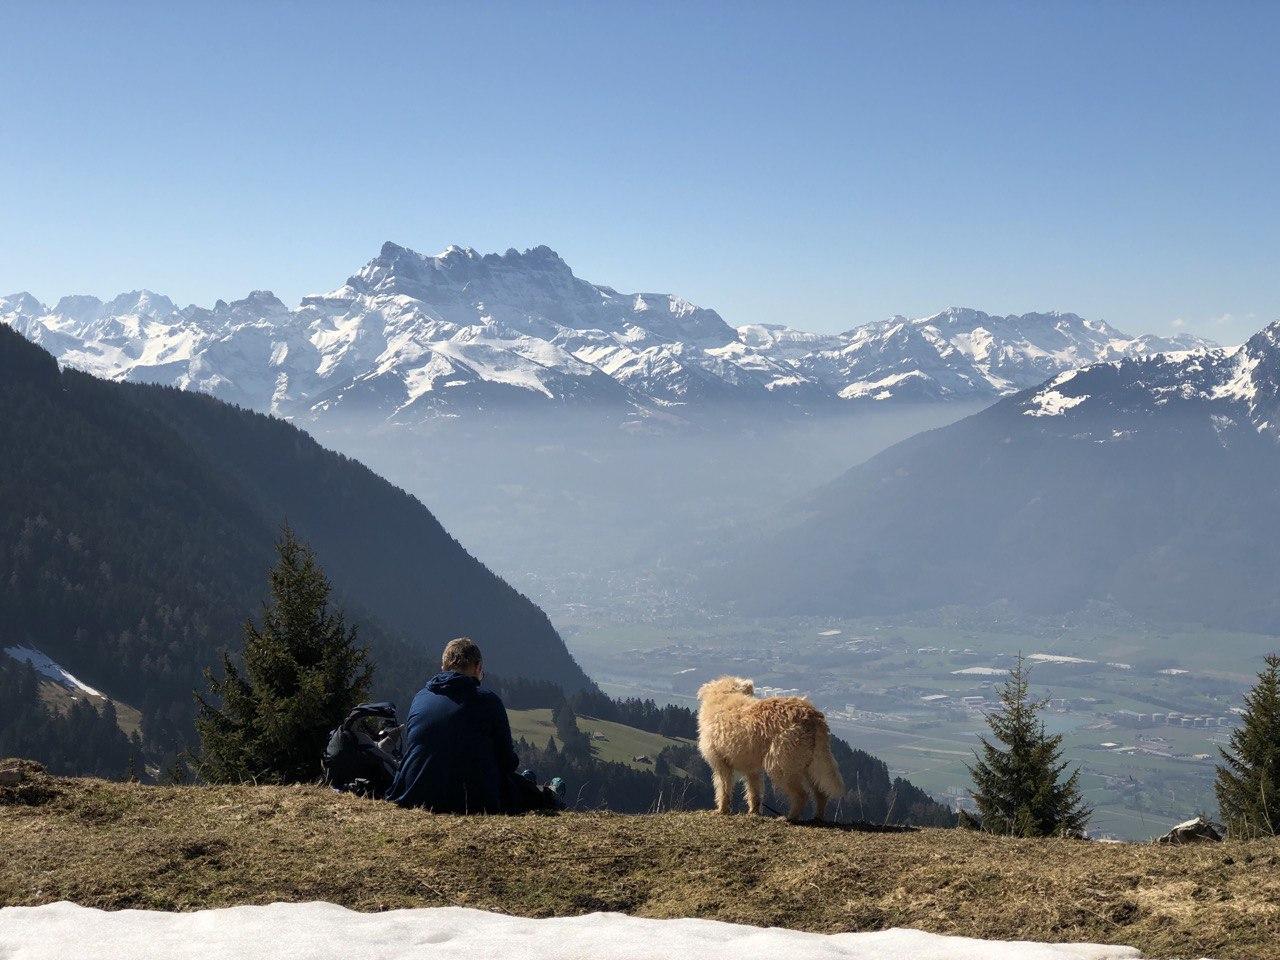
<point>1149,483</point>
<point>410,337</point>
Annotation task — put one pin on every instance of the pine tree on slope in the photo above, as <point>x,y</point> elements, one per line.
<point>1248,783</point>
<point>303,672</point>
<point>1018,783</point>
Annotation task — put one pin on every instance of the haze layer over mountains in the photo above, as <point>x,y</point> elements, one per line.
<point>1146,482</point>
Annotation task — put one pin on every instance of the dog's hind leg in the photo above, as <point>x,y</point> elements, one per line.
<point>755,790</point>
<point>799,798</point>
<point>722,777</point>
<point>824,773</point>
<point>819,802</point>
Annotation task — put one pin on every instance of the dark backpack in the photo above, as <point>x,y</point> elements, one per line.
<point>363,754</point>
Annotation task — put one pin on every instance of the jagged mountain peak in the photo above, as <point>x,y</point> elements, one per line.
<point>399,270</point>
<point>263,299</point>
<point>21,303</point>
<point>81,306</point>
<point>144,303</point>
<point>1266,339</point>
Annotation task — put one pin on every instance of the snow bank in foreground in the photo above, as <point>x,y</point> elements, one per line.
<point>322,931</point>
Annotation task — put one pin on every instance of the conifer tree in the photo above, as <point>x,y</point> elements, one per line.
<point>303,671</point>
<point>572,739</point>
<point>1248,783</point>
<point>1018,781</point>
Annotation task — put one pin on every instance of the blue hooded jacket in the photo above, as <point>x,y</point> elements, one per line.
<point>458,752</point>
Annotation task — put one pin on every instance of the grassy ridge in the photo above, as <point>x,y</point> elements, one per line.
<point>123,845</point>
<point>60,698</point>
<point>620,744</point>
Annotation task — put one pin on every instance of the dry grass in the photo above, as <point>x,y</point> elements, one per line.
<point>120,845</point>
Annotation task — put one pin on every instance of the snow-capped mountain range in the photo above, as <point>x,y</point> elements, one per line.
<point>1231,388</point>
<point>410,337</point>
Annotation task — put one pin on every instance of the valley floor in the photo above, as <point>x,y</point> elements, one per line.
<point>117,846</point>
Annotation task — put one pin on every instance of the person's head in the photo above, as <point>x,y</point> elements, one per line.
<point>463,656</point>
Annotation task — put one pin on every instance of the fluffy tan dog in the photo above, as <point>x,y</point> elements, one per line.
<point>786,737</point>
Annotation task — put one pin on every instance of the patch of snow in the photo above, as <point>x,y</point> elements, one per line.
<point>779,382</point>
<point>879,388</point>
<point>323,931</point>
<point>981,672</point>
<point>48,668</point>
<point>1241,385</point>
<point>1058,658</point>
<point>1051,403</point>
<point>829,633</point>
<point>1173,672</point>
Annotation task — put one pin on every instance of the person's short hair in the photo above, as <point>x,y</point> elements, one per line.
<point>460,654</point>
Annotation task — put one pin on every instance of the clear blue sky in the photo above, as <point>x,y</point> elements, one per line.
<point>816,165</point>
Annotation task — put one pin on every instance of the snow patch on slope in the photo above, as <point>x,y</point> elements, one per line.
<point>322,931</point>
<point>46,667</point>
<point>1241,385</point>
<point>1049,402</point>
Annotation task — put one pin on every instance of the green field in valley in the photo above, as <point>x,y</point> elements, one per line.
<point>613,742</point>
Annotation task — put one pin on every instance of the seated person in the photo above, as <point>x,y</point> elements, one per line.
<point>457,751</point>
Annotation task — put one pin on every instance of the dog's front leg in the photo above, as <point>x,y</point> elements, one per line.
<point>722,777</point>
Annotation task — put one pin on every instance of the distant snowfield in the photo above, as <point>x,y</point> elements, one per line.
<point>48,668</point>
<point>322,931</point>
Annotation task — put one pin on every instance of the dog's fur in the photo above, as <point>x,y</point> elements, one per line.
<point>786,737</point>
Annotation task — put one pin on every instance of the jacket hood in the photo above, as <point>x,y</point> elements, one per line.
<point>453,684</point>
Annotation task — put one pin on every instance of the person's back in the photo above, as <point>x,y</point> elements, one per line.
<point>458,754</point>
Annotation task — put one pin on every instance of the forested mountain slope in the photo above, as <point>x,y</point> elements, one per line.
<point>136,530</point>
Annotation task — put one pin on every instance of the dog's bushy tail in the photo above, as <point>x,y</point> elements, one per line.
<point>822,768</point>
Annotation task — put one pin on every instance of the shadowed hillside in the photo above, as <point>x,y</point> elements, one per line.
<point>136,530</point>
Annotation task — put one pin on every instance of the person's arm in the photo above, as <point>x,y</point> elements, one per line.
<point>503,746</point>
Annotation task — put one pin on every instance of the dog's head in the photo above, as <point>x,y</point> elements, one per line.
<point>725,685</point>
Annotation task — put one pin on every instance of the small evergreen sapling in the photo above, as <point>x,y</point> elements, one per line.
<point>1018,781</point>
<point>1248,782</point>
<point>303,672</point>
